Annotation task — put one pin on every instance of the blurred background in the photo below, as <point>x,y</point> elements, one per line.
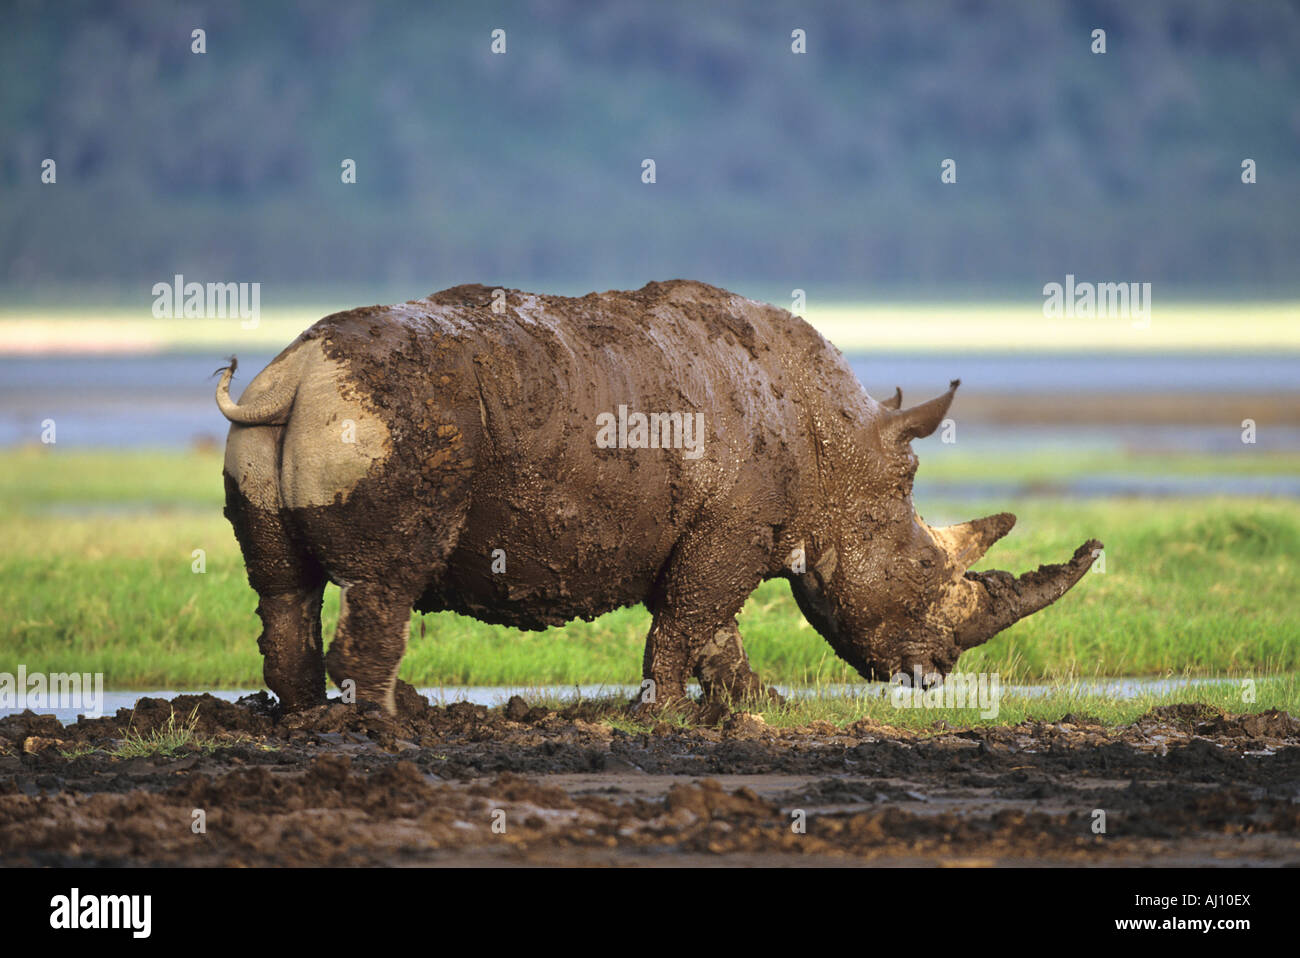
<point>811,180</point>
<point>818,170</point>
<point>774,172</point>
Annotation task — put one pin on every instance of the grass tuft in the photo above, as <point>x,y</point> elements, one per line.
<point>167,740</point>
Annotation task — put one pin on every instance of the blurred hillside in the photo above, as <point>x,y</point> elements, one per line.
<point>774,170</point>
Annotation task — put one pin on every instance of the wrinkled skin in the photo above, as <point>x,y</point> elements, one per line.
<point>443,454</point>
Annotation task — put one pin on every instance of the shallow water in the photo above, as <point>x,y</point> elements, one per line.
<point>1111,487</point>
<point>494,695</point>
<point>166,400</point>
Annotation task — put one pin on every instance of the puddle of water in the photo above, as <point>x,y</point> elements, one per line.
<point>1115,486</point>
<point>493,695</point>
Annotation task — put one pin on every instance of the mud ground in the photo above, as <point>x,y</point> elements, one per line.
<point>468,785</point>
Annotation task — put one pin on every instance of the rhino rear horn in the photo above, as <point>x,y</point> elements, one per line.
<point>967,542</point>
<point>917,422</point>
<point>895,401</point>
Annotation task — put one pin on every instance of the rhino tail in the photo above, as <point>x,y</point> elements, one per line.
<point>268,398</point>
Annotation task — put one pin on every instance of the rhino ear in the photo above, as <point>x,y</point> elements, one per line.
<point>904,425</point>
<point>966,543</point>
<point>825,566</point>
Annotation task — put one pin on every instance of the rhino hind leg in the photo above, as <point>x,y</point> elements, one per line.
<point>289,585</point>
<point>292,661</point>
<point>374,624</point>
<point>384,551</point>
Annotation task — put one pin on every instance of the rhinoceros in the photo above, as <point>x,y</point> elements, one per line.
<point>527,460</point>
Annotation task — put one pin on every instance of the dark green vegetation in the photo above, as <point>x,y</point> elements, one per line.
<point>99,555</point>
<point>774,170</point>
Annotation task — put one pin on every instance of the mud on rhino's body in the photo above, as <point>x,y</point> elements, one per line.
<point>393,450</point>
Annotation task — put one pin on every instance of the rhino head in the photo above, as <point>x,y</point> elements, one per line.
<point>892,594</point>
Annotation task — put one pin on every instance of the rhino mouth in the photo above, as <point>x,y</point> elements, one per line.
<point>917,667</point>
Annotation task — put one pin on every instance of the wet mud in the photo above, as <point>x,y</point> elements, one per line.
<point>523,785</point>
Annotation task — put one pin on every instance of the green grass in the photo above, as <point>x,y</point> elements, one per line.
<point>1065,698</point>
<point>40,479</point>
<point>98,553</point>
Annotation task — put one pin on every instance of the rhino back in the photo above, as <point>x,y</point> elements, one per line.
<point>510,402</point>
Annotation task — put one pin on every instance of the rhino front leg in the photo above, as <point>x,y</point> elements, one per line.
<point>724,671</point>
<point>664,667</point>
<point>703,588</point>
<point>374,624</point>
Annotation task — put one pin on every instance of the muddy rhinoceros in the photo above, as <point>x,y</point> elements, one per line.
<point>528,459</point>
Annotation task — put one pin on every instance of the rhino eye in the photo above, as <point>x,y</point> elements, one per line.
<point>908,466</point>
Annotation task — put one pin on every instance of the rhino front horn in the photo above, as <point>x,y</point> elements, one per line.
<point>988,602</point>
<point>917,422</point>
